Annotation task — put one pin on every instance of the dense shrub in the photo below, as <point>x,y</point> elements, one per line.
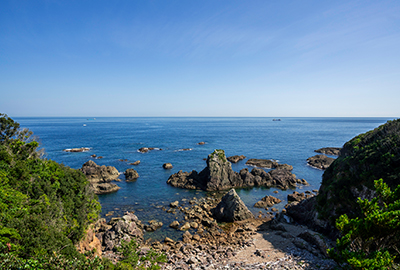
<point>372,240</point>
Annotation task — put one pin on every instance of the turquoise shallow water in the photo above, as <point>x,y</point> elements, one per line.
<point>291,141</point>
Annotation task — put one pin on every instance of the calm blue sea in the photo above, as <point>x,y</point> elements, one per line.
<point>291,141</point>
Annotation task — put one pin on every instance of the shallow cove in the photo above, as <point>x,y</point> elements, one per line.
<point>291,141</point>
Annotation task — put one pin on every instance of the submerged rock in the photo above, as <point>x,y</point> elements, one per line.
<point>231,208</point>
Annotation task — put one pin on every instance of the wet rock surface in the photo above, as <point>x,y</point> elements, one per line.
<point>268,163</point>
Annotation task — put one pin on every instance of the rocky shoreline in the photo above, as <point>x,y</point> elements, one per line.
<point>266,242</point>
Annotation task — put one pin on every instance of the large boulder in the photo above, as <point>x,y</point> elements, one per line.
<point>231,208</point>
<point>321,162</point>
<point>104,188</point>
<point>131,175</point>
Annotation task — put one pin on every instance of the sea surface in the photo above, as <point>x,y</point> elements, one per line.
<point>291,141</point>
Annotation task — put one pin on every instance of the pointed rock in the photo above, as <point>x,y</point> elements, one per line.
<point>231,208</point>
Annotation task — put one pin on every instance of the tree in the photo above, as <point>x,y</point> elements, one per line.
<point>8,128</point>
<point>373,240</point>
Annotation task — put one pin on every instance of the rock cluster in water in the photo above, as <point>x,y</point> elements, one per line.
<point>333,151</point>
<point>100,177</point>
<point>218,175</point>
<point>321,162</point>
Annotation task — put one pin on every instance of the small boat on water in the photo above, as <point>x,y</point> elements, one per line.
<point>84,125</point>
<point>277,119</point>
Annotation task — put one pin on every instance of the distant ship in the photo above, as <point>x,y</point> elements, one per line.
<point>276,119</point>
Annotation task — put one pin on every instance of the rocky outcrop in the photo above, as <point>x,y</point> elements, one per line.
<point>147,149</point>
<point>236,158</point>
<point>218,175</point>
<point>267,201</point>
<point>231,208</point>
<point>125,228</point>
<point>332,151</point>
<point>269,164</point>
<point>90,242</point>
<point>167,166</point>
<point>100,176</point>
<point>321,162</point>
<point>131,175</point>
<point>81,149</point>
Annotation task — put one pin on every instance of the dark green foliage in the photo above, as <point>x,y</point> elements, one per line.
<point>131,258</point>
<point>45,207</point>
<point>369,156</point>
<point>371,241</point>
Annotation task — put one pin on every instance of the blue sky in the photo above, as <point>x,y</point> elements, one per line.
<point>200,58</point>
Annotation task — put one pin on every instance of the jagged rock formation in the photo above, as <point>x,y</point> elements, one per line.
<point>231,208</point>
<point>100,176</point>
<point>236,158</point>
<point>218,175</point>
<point>321,162</point>
<point>131,175</point>
<point>110,234</point>
<point>333,151</point>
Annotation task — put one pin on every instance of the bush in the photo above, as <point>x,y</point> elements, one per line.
<point>373,240</point>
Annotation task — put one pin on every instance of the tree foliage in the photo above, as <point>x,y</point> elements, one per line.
<point>45,207</point>
<point>371,241</point>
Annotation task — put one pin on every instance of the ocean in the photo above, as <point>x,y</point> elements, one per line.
<point>291,141</point>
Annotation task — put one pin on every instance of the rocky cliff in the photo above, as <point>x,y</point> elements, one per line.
<point>365,158</point>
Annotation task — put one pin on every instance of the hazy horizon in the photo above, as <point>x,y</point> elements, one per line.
<point>200,59</point>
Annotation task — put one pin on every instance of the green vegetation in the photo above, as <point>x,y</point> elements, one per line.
<point>369,156</point>
<point>45,209</point>
<point>373,240</point>
<point>220,153</point>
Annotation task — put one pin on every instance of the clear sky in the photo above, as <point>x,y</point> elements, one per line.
<point>200,58</point>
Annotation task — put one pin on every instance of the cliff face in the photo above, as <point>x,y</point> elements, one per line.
<point>365,158</point>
